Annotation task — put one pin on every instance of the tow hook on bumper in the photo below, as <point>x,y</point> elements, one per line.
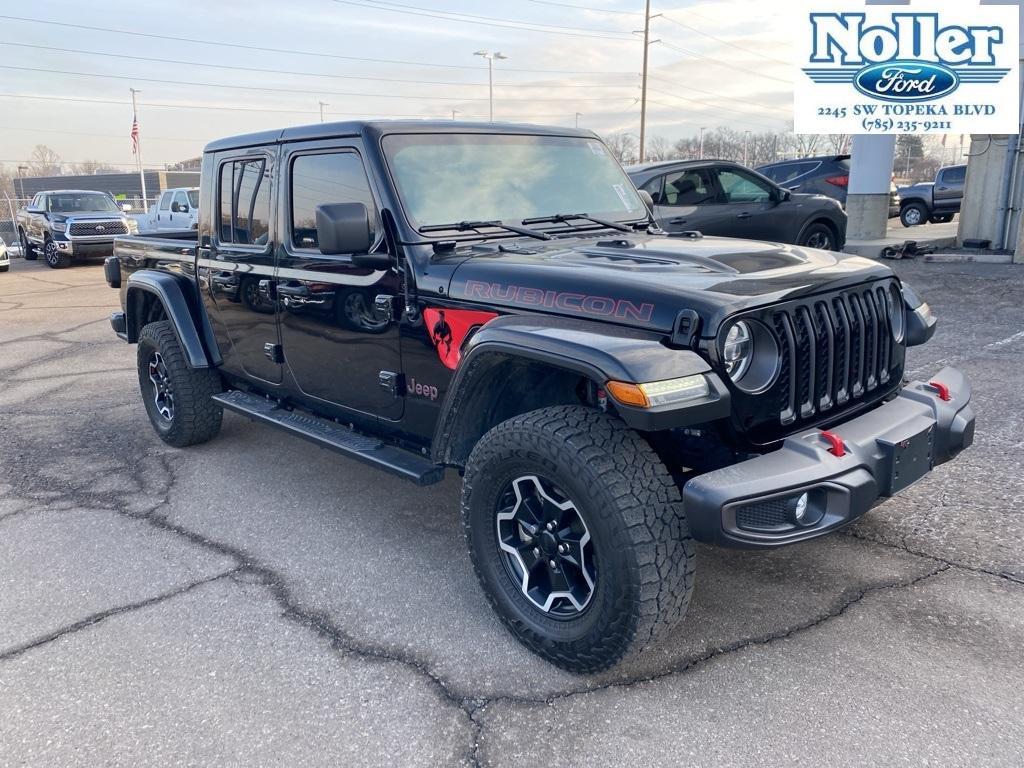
<point>819,481</point>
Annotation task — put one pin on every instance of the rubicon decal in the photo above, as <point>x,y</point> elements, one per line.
<point>576,303</point>
<point>927,68</point>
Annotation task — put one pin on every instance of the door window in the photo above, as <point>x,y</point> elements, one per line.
<point>690,187</point>
<point>244,192</point>
<point>336,177</point>
<point>653,187</point>
<point>954,175</point>
<point>739,187</point>
<point>181,200</point>
<point>165,201</point>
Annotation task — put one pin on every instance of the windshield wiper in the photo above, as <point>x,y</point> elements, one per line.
<point>565,218</point>
<point>463,226</point>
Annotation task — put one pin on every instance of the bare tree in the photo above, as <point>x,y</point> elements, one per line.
<point>623,147</point>
<point>806,144</point>
<point>92,167</point>
<point>839,143</point>
<point>44,162</point>
<point>657,149</point>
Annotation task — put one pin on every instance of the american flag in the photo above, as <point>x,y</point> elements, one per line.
<point>135,134</point>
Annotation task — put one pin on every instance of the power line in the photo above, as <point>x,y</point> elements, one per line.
<point>586,8</point>
<point>722,40</point>
<point>292,52</point>
<point>193,84</point>
<point>235,67</point>
<point>745,71</point>
<point>489,21</point>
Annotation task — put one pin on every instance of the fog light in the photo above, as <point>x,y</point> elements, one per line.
<point>803,513</point>
<point>800,509</point>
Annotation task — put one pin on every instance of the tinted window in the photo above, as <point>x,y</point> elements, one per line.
<point>738,187</point>
<point>692,187</point>
<point>244,202</point>
<point>319,179</point>
<point>783,173</point>
<point>954,175</point>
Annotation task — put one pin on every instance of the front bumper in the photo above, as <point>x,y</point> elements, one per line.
<point>751,504</point>
<point>84,246</point>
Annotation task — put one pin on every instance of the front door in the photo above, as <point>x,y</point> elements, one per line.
<point>338,346</point>
<point>181,217</point>
<point>687,201</point>
<point>749,206</point>
<point>236,265</point>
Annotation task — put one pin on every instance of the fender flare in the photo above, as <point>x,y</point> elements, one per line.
<point>181,304</point>
<point>592,350</point>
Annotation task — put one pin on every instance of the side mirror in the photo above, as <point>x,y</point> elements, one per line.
<point>126,207</point>
<point>175,208</point>
<point>32,210</point>
<point>646,197</point>
<point>345,228</point>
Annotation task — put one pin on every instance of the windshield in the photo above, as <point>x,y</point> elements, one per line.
<point>78,202</point>
<point>451,178</point>
<point>193,198</point>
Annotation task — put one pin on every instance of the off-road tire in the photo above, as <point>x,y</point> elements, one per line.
<point>5,267</point>
<point>645,557</point>
<point>913,214</point>
<point>196,418</point>
<point>28,251</point>
<point>54,256</point>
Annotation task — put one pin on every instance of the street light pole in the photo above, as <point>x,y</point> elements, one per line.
<point>490,77</point>
<point>746,144</point>
<point>700,151</point>
<point>578,116</point>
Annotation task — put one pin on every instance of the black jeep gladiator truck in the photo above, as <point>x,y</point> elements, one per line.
<point>498,300</point>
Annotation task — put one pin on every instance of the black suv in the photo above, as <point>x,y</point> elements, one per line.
<point>719,197</point>
<point>610,392</point>
<point>828,175</point>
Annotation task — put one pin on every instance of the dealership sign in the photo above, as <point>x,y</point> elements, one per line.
<point>924,68</point>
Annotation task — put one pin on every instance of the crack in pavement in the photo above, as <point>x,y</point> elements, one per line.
<point>904,547</point>
<point>100,616</point>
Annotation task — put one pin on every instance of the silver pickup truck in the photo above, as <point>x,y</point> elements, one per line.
<point>933,201</point>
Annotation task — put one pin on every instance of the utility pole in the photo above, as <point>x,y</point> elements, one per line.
<point>454,112</point>
<point>322,105</point>
<point>578,116</point>
<point>643,81</point>
<point>700,151</point>
<point>138,147</point>
<point>746,144</point>
<point>490,77</point>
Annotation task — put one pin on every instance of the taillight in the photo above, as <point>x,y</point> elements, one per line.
<point>839,181</point>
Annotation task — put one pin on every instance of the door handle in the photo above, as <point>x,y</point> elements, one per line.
<point>677,220</point>
<point>297,295</point>
<point>744,215</point>
<point>943,189</point>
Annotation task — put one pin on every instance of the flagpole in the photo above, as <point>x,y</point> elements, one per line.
<point>138,151</point>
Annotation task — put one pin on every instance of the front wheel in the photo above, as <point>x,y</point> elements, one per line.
<point>178,398</point>
<point>913,215</point>
<point>577,534</point>
<point>28,251</point>
<point>819,236</point>
<point>55,257</point>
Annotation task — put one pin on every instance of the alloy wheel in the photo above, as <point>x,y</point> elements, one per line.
<point>163,394</point>
<point>820,240</point>
<point>52,253</point>
<point>546,546</point>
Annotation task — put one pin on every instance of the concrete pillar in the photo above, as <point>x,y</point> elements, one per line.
<point>983,204</point>
<point>867,200</point>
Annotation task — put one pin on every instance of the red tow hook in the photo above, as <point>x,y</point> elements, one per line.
<point>942,389</point>
<point>836,447</point>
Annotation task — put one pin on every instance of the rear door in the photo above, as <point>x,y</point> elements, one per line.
<point>687,200</point>
<point>949,187</point>
<point>337,345</point>
<point>163,211</point>
<point>236,264</point>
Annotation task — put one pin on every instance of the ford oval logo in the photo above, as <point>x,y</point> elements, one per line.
<point>905,80</point>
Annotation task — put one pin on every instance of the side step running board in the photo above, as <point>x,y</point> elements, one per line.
<point>329,435</point>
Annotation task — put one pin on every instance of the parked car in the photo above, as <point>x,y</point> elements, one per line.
<point>71,223</point>
<point>177,208</point>
<point>719,197</point>
<point>610,392</point>
<point>934,201</point>
<point>828,175</point>
<point>5,257</point>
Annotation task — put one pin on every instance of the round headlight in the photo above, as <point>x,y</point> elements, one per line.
<point>750,355</point>
<point>897,314</point>
<point>738,350</point>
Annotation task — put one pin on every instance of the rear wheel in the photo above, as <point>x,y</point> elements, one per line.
<point>55,257</point>
<point>819,236</point>
<point>177,397</point>
<point>28,251</point>
<point>913,215</point>
<point>577,534</point>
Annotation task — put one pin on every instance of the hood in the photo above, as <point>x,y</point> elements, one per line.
<point>87,216</point>
<point>646,280</point>
<point>924,185</point>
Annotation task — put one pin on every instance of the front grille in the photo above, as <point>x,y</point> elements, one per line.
<point>837,353</point>
<point>88,228</point>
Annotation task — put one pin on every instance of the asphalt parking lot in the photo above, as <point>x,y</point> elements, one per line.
<point>258,601</point>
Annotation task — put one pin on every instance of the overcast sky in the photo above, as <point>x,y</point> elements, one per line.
<point>719,63</point>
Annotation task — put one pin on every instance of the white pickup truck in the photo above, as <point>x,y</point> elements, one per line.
<point>177,208</point>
